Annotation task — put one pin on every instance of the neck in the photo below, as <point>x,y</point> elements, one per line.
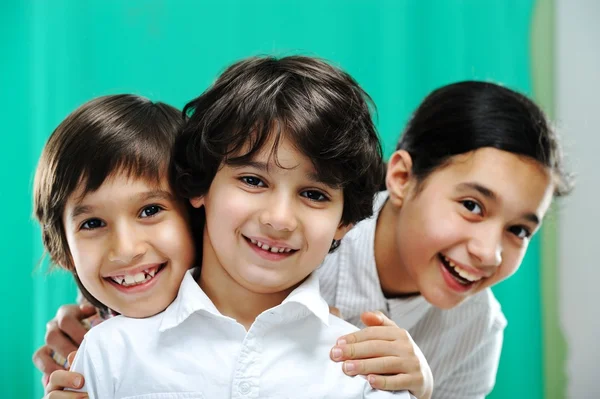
<point>231,298</point>
<point>393,275</point>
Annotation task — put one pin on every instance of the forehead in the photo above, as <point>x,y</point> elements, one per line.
<point>282,154</point>
<point>519,183</point>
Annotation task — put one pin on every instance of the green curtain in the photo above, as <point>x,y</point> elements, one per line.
<point>56,55</point>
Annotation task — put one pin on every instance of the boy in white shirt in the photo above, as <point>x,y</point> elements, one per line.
<point>282,158</point>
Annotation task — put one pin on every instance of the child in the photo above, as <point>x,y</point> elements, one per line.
<point>471,180</point>
<point>282,158</point>
<point>108,213</point>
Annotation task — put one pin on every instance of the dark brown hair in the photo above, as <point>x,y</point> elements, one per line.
<point>318,107</point>
<point>124,133</point>
<point>465,116</point>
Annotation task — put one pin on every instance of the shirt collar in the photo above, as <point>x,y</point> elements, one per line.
<point>190,299</point>
<point>308,295</point>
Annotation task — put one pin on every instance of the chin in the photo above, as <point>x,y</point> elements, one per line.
<point>441,299</point>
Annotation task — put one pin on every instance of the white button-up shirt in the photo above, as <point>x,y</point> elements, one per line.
<point>192,351</point>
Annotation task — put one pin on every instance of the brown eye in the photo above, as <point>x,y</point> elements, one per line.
<point>520,231</point>
<point>150,211</point>
<point>253,181</point>
<point>92,224</point>
<point>314,195</point>
<point>472,207</point>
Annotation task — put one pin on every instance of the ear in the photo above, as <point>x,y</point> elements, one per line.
<point>342,230</point>
<point>398,176</point>
<point>197,202</point>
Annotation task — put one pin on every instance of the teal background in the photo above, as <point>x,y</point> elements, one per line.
<point>56,55</point>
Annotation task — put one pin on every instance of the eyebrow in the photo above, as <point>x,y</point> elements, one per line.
<point>486,192</point>
<point>489,194</point>
<point>156,194</point>
<point>81,209</point>
<point>264,167</point>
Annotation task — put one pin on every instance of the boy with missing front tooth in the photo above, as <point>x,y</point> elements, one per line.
<point>108,213</point>
<point>277,154</point>
<point>106,207</point>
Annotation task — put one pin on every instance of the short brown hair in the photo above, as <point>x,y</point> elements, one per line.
<point>117,133</point>
<point>319,107</point>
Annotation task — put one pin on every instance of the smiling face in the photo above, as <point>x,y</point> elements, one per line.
<point>468,225</point>
<point>269,222</point>
<point>130,243</point>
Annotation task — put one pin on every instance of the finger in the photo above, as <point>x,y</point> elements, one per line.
<point>66,395</point>
<point>397,382</point>
<point>374,333</point>
<point>44,362</point>
<point>87,310</point>
<point>71,357</point>
<point>381,365</point>
<point>64,379</point>
<point>58,341</point>
<point>376,318</point>
<point>69,319</point>
<point>367,350</point>
<point>335,311</point>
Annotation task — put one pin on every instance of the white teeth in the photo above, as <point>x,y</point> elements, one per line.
<point>139,277</point>
<point>269,248</point>
<point>462,272</point>
<point>261,245</point>
<point>135,279</point>
<point>117,279</point>
<point>151,272</point>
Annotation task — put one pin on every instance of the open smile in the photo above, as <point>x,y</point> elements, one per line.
<point>459,275</point>
<point>139,279</point>
<point>270,252</point>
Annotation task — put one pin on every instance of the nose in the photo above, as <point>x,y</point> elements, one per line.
<point>486,246</point>
<point>127,244</point>
<point>279,213</point>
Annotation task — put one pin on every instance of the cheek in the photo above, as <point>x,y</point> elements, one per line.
<point>427,229</point>
<point>87,258</point>
<point>320,230</point>
<point>174,239</point>
<point>227,210</point>
<point>85,255</point>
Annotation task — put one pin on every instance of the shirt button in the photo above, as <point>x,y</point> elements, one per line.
<point>244,388</point>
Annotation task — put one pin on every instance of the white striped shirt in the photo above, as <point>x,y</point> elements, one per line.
<point>462,345</point>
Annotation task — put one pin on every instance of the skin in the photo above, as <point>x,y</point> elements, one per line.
<point>125,226</point>
<point>521,188</point>
<point>281,204</point>
<point>480,210</point>
<point>383,351</point>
